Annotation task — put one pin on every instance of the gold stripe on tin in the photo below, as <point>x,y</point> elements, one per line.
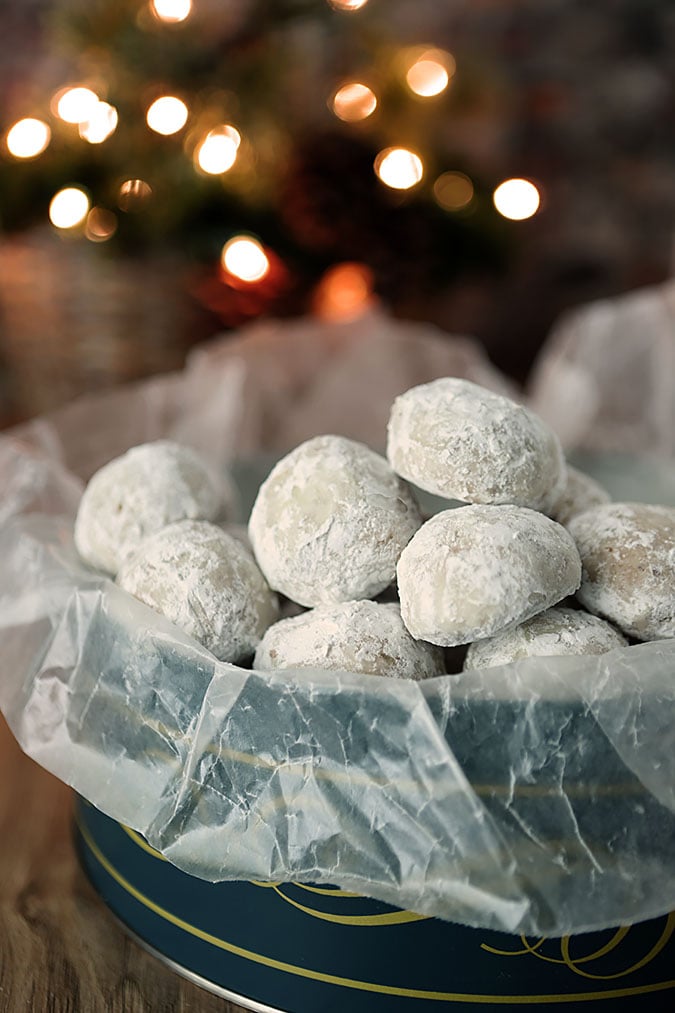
<point>142,843</point>
<point>572,963</point>
<point>388,918</point>
<point>333,979</point>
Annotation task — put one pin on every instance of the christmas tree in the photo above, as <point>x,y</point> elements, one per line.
<point>268,142</point>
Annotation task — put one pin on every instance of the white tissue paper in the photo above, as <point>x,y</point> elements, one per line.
<point>605,379</point>
<point>538,797</point>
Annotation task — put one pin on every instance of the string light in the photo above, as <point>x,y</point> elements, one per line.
<point>344,292</point>
<point>245,259</point>
<point>453,191</point>
<point>101,225</point>
<point>516,199</point>
<point>347,5</point>
<point>75,105</point>
<point>68,207</point>
<point>167,115</point>
<point>399,168</point>
<point>133,193</point>
<point>218,150</point>
<point>100,125</point>
<point>430,73</point>
<point>172,11</point>
<point>353,102</point>
<point>28,138</point>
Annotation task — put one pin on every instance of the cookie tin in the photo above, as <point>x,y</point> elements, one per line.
<point>300,948</point>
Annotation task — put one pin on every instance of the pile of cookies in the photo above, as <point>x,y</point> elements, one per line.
<point>337,532</point>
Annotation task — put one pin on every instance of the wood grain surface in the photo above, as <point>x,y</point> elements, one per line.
<point>60,949</point>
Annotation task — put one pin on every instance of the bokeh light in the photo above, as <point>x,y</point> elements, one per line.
<point>171,10</point>
<point>399,168</point>
<point>75,105</point>
<point>101,225</point>
<point>217,152</point>
<point>347,5</point>
<point>100,125</point>
<point>344,292</point>
<point>68,207</point>
<point>453,191</point>
<point>430,73</point>
<point>516,199</point>
<point>28,138</point>
<point>245,259</point>
<point>353,102</point>
<point>132,194</point>
<point>167,115</point>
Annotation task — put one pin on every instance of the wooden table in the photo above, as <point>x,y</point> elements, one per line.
<point>60,949</point>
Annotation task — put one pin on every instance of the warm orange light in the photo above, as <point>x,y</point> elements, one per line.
<point>68,208</point>
<point>344,292</point>
<point>101,225</point>
<point>171,11</point>
<point>348,5</point>
<point>399,168</point>
<point>75,105</point>
<point>430,73</point>
<point>353,102</point>
<point>245,259</point>
<point>453,191</point>
<point>133,193</point>
<point>28,138</point>
<point>100,125</point>
<point>516,199</point>
<point>167,115</point>
<point>217,152</point>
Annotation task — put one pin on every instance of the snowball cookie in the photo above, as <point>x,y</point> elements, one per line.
<point>458,440</point>
<point>356,636</point>
<point>557,631</point>
<point>628,556</point>
<point>330,521</point>
<point>206,582</point>
<point>477,570</point>
<point>580,493</point>
<point>138,494</point>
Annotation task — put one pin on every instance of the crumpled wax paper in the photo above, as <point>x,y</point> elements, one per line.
<point>267,388</point>
<point>605,379</point>
<point>536,798</point>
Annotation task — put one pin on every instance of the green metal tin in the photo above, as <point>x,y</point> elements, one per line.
<point>299,948</point>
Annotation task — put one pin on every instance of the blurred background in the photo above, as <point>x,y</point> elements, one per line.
<point>172,170</point>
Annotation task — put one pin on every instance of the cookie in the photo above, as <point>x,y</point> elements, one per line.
<point>329,523</point>
<point>207,583</point>
<point>358,636</point>
<point>460,441</point>
<point>474,571</point>
<point>557,631</point>
<point>138,494</point>
<point>581,492</point>
<point>628,556</point>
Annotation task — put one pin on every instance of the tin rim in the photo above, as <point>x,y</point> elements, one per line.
<point>185,972</point>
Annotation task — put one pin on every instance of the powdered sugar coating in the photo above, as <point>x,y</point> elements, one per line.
<point>330,521</point>
<point>471,572</point>
<point>138,494</point>
<point>557,631</point>
<point>628,556</point>
<point>206,582</point>
<point>358,636</point>
<point>458,440</point>
<point>580,494</point>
